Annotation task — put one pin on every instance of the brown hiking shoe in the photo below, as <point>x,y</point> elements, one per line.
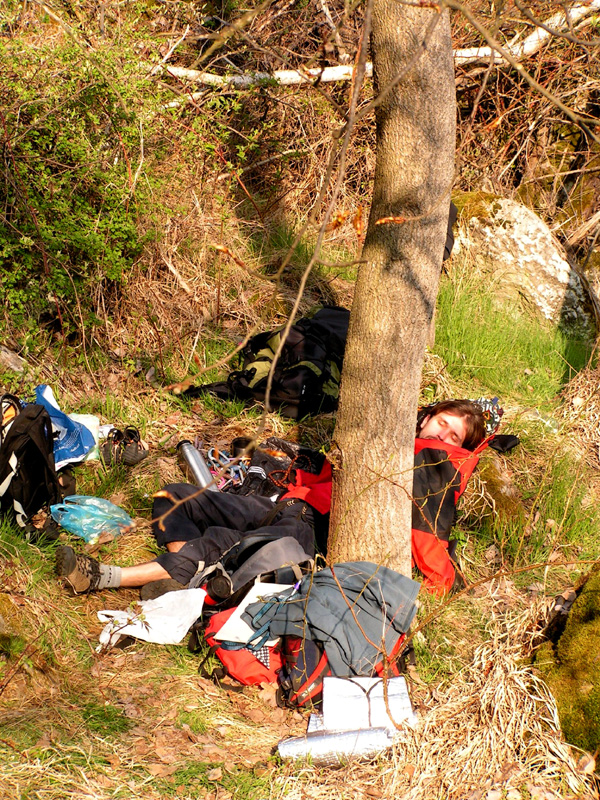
<point>82,573</point>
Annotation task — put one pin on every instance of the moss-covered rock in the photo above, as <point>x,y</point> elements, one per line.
<point>571,667</point>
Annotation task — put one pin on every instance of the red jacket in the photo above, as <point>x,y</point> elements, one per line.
<point>314,489</point>
<point>440,477</point>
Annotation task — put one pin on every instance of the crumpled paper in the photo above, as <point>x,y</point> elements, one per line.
<point>165,620</point>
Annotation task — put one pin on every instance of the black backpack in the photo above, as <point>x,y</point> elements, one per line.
<point>28,479</point>
<point>306,379</point>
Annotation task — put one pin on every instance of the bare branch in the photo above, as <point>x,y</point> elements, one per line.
<point>508,56</point>
<point>494,53</point>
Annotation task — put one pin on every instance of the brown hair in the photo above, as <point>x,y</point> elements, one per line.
<point>468,410</point>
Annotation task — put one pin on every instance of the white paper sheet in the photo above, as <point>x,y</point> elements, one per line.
<point>352,703</point>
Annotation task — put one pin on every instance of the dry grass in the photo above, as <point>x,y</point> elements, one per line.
<point>581,411</point>
<point>490,731</point>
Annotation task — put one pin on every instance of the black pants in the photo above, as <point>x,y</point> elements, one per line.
<point>212,522</point>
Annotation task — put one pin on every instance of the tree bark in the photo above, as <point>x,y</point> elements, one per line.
<point>396,288</point>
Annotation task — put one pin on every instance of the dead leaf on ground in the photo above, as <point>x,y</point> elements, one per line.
<point>97,668</point>
<point>208,687</point>
<point>164,755</point>
<point>216,753</point>
<point>104,781</point>
<point>256,715</point>
<point>161,770</point>
<point>214,774</point>
<point>278,716</point>
<point>104,538</point>
<point>268,694</point>
<point>43,742</point>
<point>131,711</point>
<point>586,764</point>
<point>189,733</point>
<point>251,758</point>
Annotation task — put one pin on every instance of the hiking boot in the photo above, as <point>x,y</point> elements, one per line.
<point>82,573</point>
<point>154,589</point>
<point>124,447</point>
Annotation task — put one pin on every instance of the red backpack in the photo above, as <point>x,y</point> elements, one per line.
<point>244,663</point>
<point>305,665</point>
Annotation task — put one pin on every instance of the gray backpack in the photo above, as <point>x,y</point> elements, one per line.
<point>258,558</point>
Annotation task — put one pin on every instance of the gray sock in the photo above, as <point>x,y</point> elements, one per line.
<point>110,577</point>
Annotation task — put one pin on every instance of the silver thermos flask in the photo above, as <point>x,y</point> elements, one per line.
<point>334,748</point>
<point>196,465</point>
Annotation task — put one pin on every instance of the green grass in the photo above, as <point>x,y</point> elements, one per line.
<point>244,783</point>
<point>14,548</point>
<point>505,351</point>
<point>105,719</point>
<point>554,520</point>
<point>446,643</point>
<point>194,719</point>
<point>502,351</point>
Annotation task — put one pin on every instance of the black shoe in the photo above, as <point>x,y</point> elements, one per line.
<point>154,589</point>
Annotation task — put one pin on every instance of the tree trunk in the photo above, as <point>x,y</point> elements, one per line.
<point>396,288</point>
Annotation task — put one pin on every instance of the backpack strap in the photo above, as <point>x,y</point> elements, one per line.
<point>10,408</point>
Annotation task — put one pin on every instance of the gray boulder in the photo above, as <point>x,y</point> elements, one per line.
<point>11,361</point>
<point>525,261</point>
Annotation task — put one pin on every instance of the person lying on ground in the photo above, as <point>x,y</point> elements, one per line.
<point>196,529</point>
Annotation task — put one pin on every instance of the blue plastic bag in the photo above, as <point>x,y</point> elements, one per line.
<point>72,439</point>
<point>88,517</point>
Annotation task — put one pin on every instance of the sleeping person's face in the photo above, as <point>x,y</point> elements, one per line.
<point>444,427</point>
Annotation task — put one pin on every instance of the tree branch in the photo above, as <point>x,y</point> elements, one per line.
<point>494,53</point>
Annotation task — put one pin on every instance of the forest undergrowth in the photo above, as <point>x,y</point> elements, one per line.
<point>116,724</point>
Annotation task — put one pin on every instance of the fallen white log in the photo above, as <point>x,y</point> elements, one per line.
<point>295,77</point>
<point>284,77</point>
<point>532,43</point>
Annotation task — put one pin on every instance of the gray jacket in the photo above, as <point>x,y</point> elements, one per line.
<point>355,611</point>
